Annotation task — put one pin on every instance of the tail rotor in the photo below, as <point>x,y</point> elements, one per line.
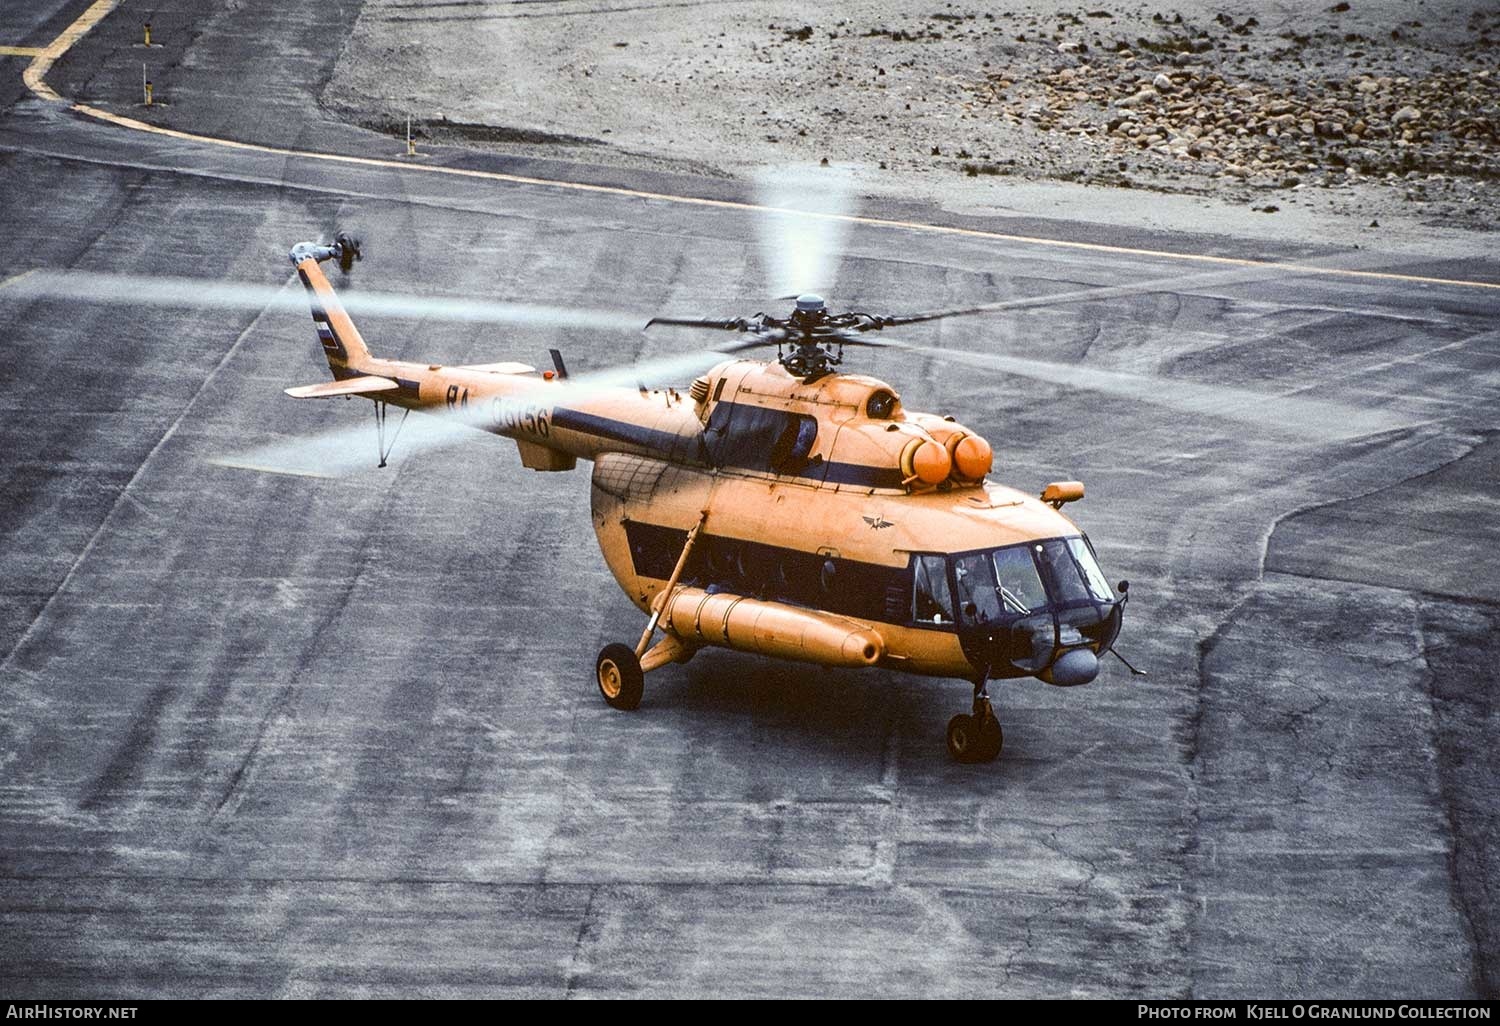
<point>349,252</point>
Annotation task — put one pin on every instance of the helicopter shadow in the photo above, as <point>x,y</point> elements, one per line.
<point>780,726</point>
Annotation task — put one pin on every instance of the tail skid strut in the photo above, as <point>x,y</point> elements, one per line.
<point>380,417</point>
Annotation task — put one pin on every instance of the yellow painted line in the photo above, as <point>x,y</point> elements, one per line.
<point>103,7</point>
<point>20,51</point>
<point>881,222</point>
<point>36,73</point>
<point>8,282</point>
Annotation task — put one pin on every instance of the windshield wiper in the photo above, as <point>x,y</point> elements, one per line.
<point>1010,600</point>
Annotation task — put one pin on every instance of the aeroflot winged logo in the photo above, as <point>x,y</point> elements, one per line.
<point>878,522</point>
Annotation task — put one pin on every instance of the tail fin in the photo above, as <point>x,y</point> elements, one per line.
<point>342,342</point>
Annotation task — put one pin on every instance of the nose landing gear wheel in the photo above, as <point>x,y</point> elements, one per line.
<point>962,738</point>
<point>974,740</point>
<point>621,680</point>
<point>991,739</point>
<point>977,737</point>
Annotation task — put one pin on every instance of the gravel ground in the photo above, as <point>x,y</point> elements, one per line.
<point>1337,123</point>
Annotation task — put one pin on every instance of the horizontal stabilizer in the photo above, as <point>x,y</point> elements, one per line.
<point>500,368</point>
<point>349,386</point>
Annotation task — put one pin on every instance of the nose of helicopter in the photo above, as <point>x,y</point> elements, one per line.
<point>1063,654</point>
<point>1075,666</point>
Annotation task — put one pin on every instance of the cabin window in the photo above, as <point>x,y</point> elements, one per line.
<point>723,558</point>
<point>931,601</point>
<point>815,580</point>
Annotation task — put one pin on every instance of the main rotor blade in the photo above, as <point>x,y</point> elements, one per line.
<point>759,336</point>
<point>803,227</point>
<point>1237,275</point>
<point>347,450</point>
<point>700,322</point>
<point>1320,420</point>
<point>352,449</point>
<point>213,294</point>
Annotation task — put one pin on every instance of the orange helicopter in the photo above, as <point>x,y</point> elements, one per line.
<point>781,508</point>
<point>777,507</point>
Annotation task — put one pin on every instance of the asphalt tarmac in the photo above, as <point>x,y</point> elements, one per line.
<point>284,736</point>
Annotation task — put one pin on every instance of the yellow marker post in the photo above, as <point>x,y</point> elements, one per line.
<point>148,94</point>
<point>148,34</point>
<point>411,147</point>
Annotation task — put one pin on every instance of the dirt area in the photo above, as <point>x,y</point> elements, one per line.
<point>1337,118</point>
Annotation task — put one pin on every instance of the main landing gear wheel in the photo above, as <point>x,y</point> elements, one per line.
<point>977,737</point>
<point>621,680</point>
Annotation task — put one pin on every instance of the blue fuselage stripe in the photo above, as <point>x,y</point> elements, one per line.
<point>666,443</point>
<point>663,442</point>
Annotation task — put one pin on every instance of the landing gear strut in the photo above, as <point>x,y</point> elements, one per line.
<point>976,737</point>
<point>620,669</point>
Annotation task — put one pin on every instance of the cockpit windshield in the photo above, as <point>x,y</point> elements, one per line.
<point>1020,587</point>
<point>1020,608</point>
<point>1072,575</point>
<point>1093,577</point>
<point>1001,585</point>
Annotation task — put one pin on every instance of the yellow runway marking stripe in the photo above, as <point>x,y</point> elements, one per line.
<point>100,8</point>
<point>20,51</point>
<point>879,222</point>
<point>36,72</point>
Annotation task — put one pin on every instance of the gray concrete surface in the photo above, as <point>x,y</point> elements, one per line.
<point>280,737</point>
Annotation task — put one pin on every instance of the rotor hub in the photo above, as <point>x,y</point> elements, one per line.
<point>812,335</point>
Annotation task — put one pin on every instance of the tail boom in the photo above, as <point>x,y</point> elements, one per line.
<point>342,343</point>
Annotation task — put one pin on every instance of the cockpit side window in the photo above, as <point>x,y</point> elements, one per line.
<point>978,597</point>
<point>760,438</point>
<point>794,444</point>
<point>931,601</point>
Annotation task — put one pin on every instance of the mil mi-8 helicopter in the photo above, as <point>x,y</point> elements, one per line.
<point>778,507</point>
<point>781,507</point>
